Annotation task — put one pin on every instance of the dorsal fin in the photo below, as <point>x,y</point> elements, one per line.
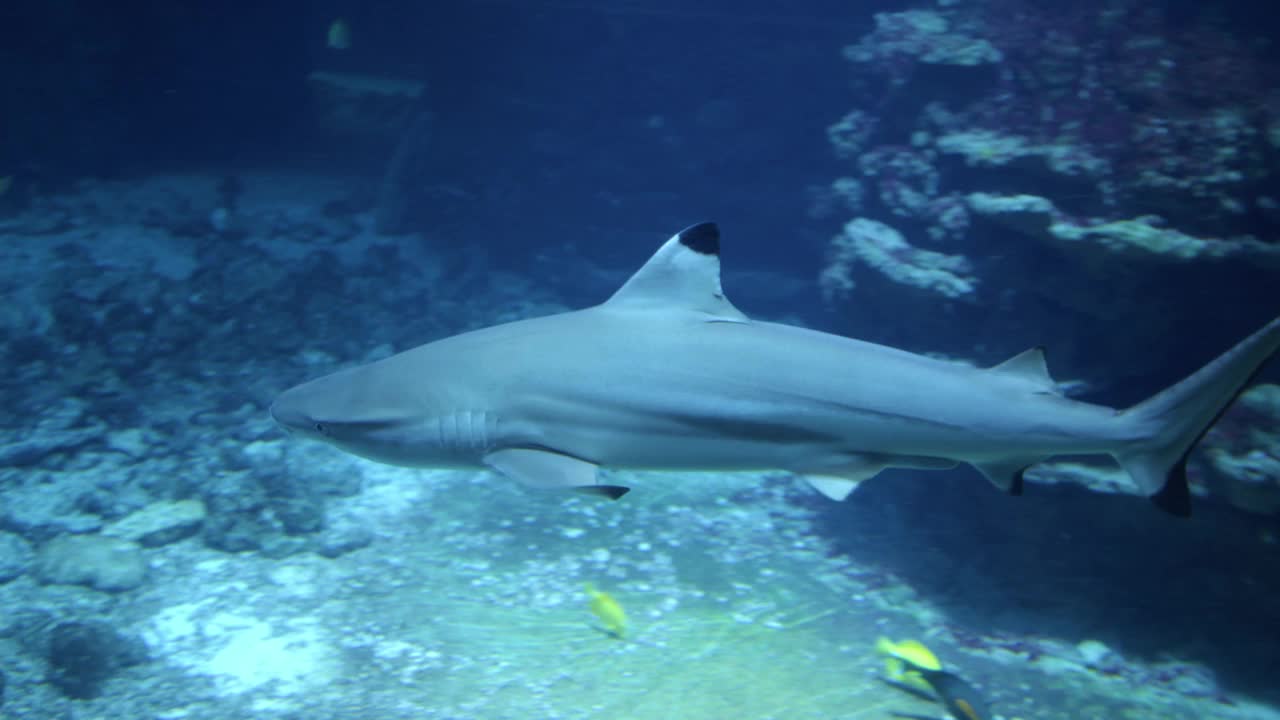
<point>684,274</point>
<point>1030,366</point>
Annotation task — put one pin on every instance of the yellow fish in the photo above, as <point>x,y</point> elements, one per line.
<point>911,663</point>
<point>611,614</point>
<point>912,652</point>
<point>339,35</point>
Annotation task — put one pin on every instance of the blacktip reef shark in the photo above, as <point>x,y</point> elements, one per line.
<point>668,375</point>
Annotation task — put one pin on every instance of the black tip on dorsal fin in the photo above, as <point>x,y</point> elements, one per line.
<point>613,492</point>
<point>702,238</point>
<point>1175,497</point>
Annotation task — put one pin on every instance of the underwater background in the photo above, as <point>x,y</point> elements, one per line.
<point>202,204</point>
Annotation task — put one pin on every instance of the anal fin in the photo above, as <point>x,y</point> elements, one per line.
<point>1006,474</point>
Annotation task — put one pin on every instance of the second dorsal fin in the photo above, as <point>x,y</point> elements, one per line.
<point>1030,366</point>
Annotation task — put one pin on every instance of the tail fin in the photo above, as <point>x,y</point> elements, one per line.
<point>1175,419</point>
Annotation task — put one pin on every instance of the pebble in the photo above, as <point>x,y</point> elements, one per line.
<point>103,563</point>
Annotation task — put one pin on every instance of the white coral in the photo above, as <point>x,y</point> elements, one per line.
<point>884,249</point>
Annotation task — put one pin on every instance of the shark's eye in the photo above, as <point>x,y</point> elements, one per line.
<point>322,428</point>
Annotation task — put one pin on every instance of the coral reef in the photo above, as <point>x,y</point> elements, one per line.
<point>1241,462</point>
<point>1126,144</point>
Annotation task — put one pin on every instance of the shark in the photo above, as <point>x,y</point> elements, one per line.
<point>668,375</point>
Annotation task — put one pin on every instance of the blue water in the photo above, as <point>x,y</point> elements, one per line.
<point>202,205</point>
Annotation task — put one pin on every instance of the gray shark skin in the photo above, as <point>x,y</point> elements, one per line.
<point>668,375</point>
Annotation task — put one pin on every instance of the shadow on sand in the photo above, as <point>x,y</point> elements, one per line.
<point>1066,563</point>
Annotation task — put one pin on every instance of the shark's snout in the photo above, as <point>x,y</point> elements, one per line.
<point>288,414</point>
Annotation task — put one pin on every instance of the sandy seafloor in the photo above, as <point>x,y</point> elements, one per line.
<point>469,605</point>
<point>468,602</point>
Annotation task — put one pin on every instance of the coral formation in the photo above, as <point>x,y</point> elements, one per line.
<point>1054,165</point>
<point>884,249</point>
<point>1241,462</point>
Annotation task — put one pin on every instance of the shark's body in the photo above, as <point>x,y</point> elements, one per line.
<point>668,375</point>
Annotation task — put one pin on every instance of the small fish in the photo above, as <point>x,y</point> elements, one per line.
<point>909,651</point>
<point>902,657</point>
<point>913,665</point>
<point>611,615</point>
<point>339,37</point>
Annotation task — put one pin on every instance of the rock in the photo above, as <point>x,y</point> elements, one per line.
<point>34,449</point>
<point>62,429</point>
<point>103,563</point>
<point>235,502</point>
<point>234,493</point>
<point>82,656</point>
<point>230,533</point>
<point>342,538</point>
<point>160,523</point>
<point>299,515</point>
<point>47,507</point>
<point>15,556</point>
<point>278,546</point>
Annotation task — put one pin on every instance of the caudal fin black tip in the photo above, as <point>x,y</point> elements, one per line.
<point>1175,496</point>
<point>1015,488</point>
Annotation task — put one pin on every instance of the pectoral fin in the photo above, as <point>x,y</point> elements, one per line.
<point>549,469</point>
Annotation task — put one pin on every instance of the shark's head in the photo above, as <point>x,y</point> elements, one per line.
<point>357,411</point>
